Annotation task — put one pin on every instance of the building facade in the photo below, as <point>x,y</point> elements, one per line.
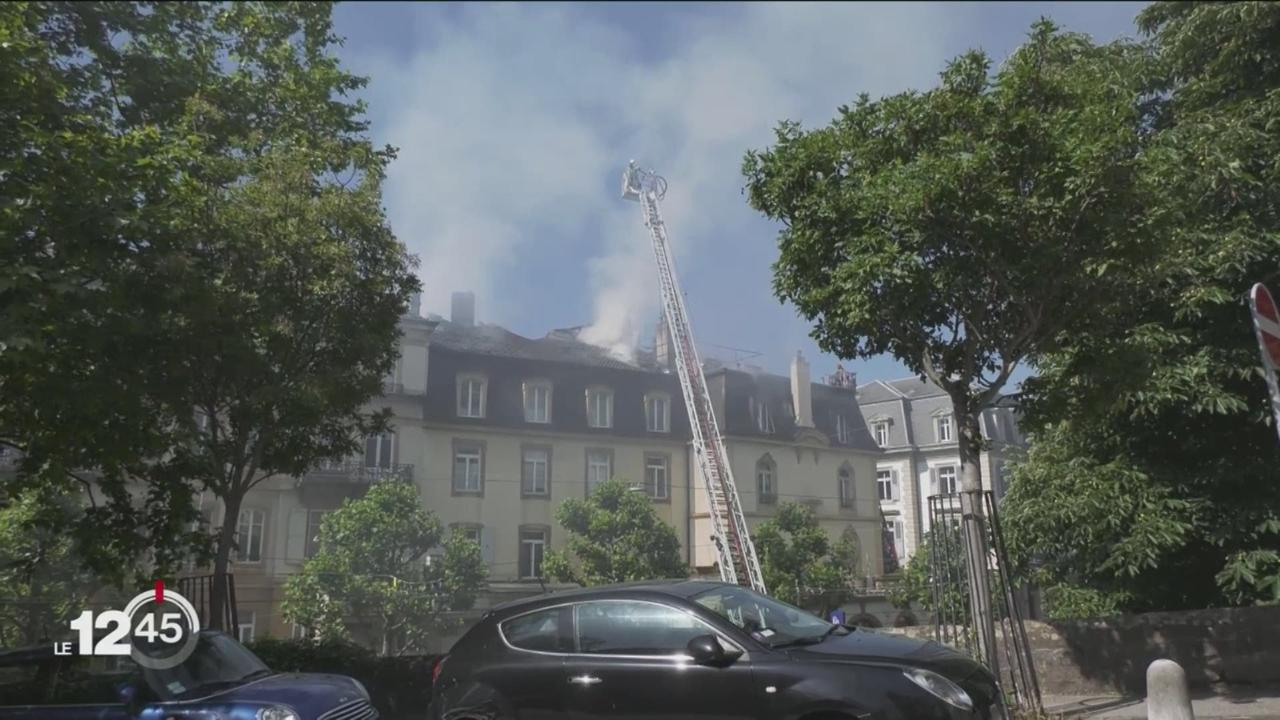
<point>912,421</point>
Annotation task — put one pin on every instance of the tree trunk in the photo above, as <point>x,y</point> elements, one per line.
<point>982,618</point>
<point>221,559</point>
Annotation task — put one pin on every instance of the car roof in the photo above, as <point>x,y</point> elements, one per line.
<point>680,588</point>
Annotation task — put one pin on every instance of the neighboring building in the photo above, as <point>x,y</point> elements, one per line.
<point>912,421</point>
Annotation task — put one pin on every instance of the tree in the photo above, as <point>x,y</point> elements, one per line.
<point>962,228</point>
<point>800,563</point>
<point>372,570</point>
<point>235,285</point>
<point>932,579</point>
<point>614,536</point>
<point>1154,425</point>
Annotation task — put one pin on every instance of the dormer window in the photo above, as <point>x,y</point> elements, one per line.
<point>760,415</point>
<point>842,430</point>
<point>471,396</point>
<point>600,407</point>
<point>537,401</point>
<point>881,430</point>
<point>657,412</point>
<point>943,425</point>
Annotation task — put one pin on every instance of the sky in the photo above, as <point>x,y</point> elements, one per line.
<point>514,122</point>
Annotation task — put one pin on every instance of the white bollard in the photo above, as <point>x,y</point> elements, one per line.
<point>1167,695</point>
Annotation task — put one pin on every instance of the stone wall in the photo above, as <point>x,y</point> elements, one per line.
<point>1234,646</point>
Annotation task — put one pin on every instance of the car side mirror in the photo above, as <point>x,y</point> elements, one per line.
<point>707,650</point>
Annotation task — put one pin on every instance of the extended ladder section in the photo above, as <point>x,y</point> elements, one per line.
<point>735,551</point>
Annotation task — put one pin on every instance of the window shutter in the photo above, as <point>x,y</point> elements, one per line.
<point>296,541</point>
<point>486,545</point>
<point>895,487</point>
<point>933,481</point>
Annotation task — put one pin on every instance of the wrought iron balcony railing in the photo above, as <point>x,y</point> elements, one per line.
<point>354,471</point>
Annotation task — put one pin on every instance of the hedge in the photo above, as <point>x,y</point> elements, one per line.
<point>400,686</point>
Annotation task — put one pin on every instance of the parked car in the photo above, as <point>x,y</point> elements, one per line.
<point>221,679</point>
<point>695,649</point>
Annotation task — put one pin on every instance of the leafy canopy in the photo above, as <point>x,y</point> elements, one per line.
<point>372,574</point>
<point>799,561</point>
<point>614,536</point>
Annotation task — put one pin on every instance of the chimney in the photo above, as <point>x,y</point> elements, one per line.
<point>463,308</point>
<point>415,305</point>
<point>662,350</point>
<point>801,391</point>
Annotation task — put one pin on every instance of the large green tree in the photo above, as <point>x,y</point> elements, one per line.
<point>614,536</point>
<point>203,291</point>
<point>1152,482</point>
<point>962,228</point>
<point>799,561</point>
<point>373,573</point>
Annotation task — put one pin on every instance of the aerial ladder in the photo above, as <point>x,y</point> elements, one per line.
<point>735,551</point>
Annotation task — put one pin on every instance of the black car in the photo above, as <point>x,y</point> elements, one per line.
<point>690,648</point>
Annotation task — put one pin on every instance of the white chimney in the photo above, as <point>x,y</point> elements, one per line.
<point>801,391</point>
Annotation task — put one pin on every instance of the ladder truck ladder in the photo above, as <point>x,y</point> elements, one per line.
<point>735,551</point>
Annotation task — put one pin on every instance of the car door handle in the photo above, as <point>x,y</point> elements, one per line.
<point>585,680</point>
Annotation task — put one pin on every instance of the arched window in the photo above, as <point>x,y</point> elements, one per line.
<point>845,482</point>
<point>767,480</point>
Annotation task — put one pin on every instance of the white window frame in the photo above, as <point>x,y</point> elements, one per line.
<point>887,478</point>
<point>652,488</point>
<point>474,405</point>
<point>471,450</point>
<point>899,530</point>
<point>944,428</point>
<point>842,429</point>
<point>312,544</point>
<point>251,626</point>
<point>299,632</point>
<point>881,430</point>
<point>528,545</point>
<point>256,528</point>
<point>766,467</point>
<point>599,399</point>
<point>954,473</point>
<point>846,488</point>
<point>533,391</point>
<point>593,467</point>
<point>471,531</point>
<point>528,484</point>
<point>760,415</point>
<point>657,412</point>
<point>384,450</point>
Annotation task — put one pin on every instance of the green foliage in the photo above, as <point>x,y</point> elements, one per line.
<point>42,585</point>
<point>614,536</point>
<point>221,250</point>
<point>372,573</point>
<point>941,592</point>
<point>800,563</point>
<point>1155,458</point>
<point>962,228</point>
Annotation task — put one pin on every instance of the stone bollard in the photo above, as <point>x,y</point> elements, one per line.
<point>1167,695</point>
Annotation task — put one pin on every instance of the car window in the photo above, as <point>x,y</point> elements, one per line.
<point>20,684</point>
<point>635,628</point>
<point>89,680</point>
<point>541,631</point>
<point>767,619</point>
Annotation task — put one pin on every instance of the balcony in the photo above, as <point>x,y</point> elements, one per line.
<point>395,388</point>
<point>355,472</point>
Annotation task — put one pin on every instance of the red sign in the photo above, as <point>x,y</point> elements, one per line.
<point>1266,322</point>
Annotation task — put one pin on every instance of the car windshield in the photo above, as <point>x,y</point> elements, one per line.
<point>217,663</point>
<point>770,621</point>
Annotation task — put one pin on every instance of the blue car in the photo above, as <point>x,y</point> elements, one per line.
<point>222,680</point>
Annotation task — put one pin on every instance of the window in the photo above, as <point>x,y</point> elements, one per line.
<point>885,485</point>
<point>468,467</point>
<point>314,518</point>
<point>897,532</point>
<point>535,470</point>
<point>599,467</point>
<point>881,430</point>
<point>944,428</point>
<point>533,544</point>
<point>470,532</point>
<point>249,535</point>
<point>600,408</point>
<point>657,483</point>
<point>635,628</point>
<point>378,450</point>
<point>947,480</point>
<point>245,630</point>
<point>845,477</point>
<point>842,430</point>
<point>760,415</point>
<point>542,631</point>
<point>471,389</point>
<point>537,402</point>
<point>767,480</point>
<point>299,632</point>
<point>657,413</point>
